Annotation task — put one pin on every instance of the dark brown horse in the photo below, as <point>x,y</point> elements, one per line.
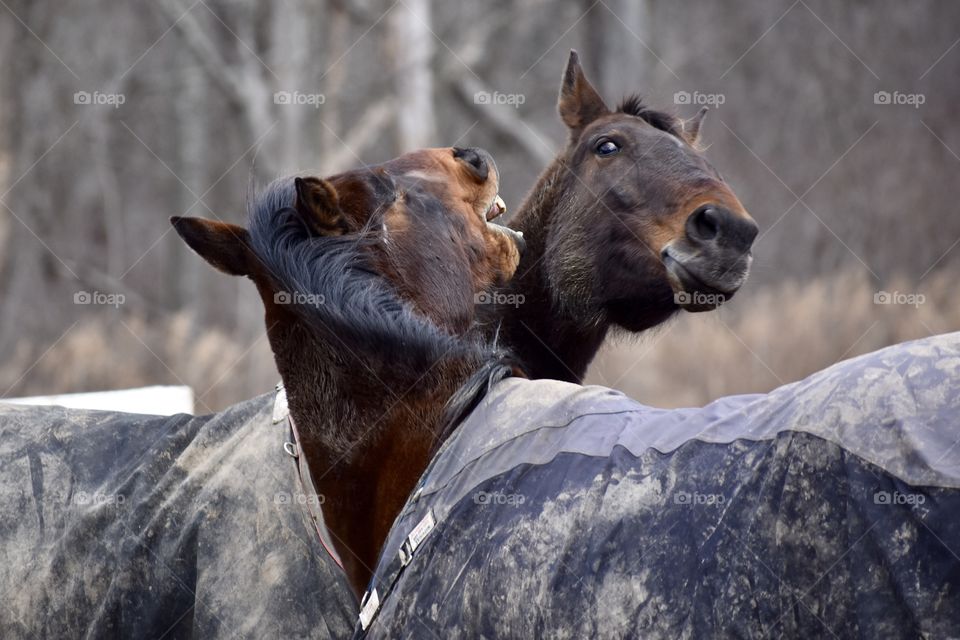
<point>627,226</point>
<point>368,281</point>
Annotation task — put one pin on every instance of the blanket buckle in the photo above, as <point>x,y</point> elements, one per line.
<point>369,606</point>
<point>417,536</point>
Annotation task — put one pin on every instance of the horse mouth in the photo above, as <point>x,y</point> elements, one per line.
<point>493,216</point>
<point>693,292</point>
<point>496,209</point>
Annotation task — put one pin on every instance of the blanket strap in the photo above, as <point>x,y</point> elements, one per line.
<point>282,412</point>
<point>373,599</point>
<point>370,604</point>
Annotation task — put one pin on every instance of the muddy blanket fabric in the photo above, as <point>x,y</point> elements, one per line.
<point>826,508</point>
<point>119,525</point>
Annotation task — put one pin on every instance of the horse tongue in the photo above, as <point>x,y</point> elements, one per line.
<point>496,209</point>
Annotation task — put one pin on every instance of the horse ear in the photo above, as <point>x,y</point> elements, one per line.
<point>225,246</point>
<point>319,207</point>
<point>691,127</point>
<point>579,103</point>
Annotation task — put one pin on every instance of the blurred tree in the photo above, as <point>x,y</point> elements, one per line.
<point>411,48</point>
<point>836,180</point>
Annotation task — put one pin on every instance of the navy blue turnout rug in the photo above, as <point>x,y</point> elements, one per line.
<point>826,508</point>
<point>129,526</point>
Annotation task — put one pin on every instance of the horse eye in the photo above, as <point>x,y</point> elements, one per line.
<point>607,148</point>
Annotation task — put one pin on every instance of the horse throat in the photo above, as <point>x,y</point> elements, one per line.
<point>366,437</point>
<point>551,340</point>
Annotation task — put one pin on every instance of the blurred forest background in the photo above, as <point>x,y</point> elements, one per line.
<point>116,116</point>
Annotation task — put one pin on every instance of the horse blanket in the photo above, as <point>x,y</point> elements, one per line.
<point>122,525</point>
<point>826,508</point>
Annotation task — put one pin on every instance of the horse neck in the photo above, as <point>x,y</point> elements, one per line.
<point>549,342</point>
<point>366,437</point>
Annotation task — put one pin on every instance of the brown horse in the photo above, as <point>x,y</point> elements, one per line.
<point>368,281</point>
<point>627,226</point>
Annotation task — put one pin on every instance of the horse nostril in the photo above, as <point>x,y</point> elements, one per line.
<point>717,227</point>
<point>704,223</point>
<point>473,158</point>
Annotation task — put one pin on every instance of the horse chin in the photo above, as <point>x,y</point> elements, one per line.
<point>691,293</point>
<point>702,299</point>
<point>639,314</point>
<point>698,308</point>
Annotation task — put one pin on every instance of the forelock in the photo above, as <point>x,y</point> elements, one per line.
<point>633,105</point>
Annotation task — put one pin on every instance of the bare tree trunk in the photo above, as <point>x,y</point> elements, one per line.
<point>631,19</point>
<point>596,42</point>
<point>615,41</point>
<point>194,161</point>
<point>412,44</point>
<point>113,216</point>
<point>29,272</point>
<point>290,59</point>
<point>338,30</point>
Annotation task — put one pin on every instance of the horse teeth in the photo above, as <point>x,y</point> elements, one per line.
<point>497,207</point>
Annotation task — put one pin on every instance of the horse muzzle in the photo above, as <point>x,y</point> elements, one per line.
<point>712,261</point>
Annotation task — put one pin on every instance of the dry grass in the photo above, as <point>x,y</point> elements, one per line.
<point>771,337</point>
<point>116,353</point>
<point>765,338</point>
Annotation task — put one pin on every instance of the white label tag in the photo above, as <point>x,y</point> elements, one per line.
<point>369,609</point>
<point>421,531</point>
<point>280,409</point>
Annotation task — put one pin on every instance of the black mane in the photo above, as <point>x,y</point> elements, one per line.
<point>633,105</point>
<point>350,306</point>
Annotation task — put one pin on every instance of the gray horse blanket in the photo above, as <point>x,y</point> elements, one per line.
<point>826,508</point>
<point>121,525</point>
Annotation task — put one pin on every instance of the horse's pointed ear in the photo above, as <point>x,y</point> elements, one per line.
<point>225,246</point>
<point>691,127</point>
<point>579,103</point>
<point>319,207</point>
